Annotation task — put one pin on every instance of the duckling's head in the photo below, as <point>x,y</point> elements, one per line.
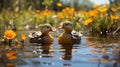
<point>45,28</point>
<point>67,26</point>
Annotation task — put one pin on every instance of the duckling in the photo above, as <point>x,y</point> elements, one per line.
<point>43,36</point>
<point>69,36</point>
<point>35,37</point>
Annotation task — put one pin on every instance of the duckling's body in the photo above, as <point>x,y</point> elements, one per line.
<point>44,37</point>
<point>47,39</point>
<point>67,37</point>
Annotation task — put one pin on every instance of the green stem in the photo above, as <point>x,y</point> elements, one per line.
<point>10,41</point>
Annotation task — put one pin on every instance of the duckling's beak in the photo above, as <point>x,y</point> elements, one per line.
<point>52,30</point>
<point>61,27</point>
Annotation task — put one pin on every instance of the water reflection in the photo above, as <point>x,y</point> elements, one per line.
<point>8,58</point>
<point>68,51</point>
<point>46,50</point>
<point>104,52</point>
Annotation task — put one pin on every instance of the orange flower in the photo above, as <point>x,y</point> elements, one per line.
<point>88,21</point>
<point>23,37</point>
<point>114,17</point>
<point>103,9</point>
<point>59,4</point>
<point>9,34</point>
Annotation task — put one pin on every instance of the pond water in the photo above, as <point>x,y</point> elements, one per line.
<point>93,51</point>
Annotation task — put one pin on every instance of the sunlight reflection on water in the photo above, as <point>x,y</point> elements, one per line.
<point>85,54</point>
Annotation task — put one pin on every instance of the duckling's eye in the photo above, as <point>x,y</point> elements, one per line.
<point>48,27</point>
<point>66,24</point>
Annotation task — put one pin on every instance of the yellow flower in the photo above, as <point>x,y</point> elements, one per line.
<point>23,37</point>
<point>37,12</point>
<point>92,13</point>
<point>71,11</point>
<point>68,12</point>
<point>60,15</point>
<point>114,17</point>
<point>9,34</point>
<point>46,12</point>
<point>59,4</point>
<point>95,6</point>
<point>114,10</point>
<point>67,9</point>
<point>88,21</point>
<point>103,9</point>
<point>70,17</point>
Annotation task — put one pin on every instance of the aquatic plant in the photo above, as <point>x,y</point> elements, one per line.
<point>23,37</point>
<point>9,35</point>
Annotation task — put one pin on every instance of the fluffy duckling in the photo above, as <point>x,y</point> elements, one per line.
<point>69,36</point>
<point>43,36</point>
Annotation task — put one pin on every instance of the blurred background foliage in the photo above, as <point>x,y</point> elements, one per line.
<point>28,14</point>
<point>41,4</point>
